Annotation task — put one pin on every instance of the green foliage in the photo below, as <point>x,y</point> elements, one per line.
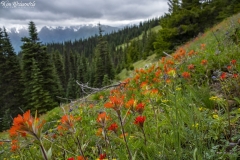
<point>103,61</point>
<point>187,19</point>
<point>38,98</point>
<point>36,59</point>
<point>11,86</point>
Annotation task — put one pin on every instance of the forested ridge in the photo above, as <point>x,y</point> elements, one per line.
<point>40,74</point>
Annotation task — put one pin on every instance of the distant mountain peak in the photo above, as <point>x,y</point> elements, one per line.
<point>49,34</point>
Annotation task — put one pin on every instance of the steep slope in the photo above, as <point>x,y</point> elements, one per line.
<point>185,106</point>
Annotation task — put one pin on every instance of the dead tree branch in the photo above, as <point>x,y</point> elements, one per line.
<point>93,90</point>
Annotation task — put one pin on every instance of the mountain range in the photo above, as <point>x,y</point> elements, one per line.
<point>48,34</point>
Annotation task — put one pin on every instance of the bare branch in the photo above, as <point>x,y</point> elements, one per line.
<point>5,140</point>
<point>95,90</point>
<point>167,54</point>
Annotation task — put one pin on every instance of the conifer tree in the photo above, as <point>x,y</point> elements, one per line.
<point>11,87</point>
<point>2,69</point>
<point>59,71</point>
<point>71,88</point>
<point>39,99</point>
<point>33,50</point>
<point>103,61</point>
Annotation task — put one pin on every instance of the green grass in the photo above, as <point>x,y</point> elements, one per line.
<point>139,64</point>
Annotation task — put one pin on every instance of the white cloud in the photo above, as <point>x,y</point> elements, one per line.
<point>75,12</point>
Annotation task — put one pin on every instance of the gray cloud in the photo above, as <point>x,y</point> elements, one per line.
<point>73,12</point>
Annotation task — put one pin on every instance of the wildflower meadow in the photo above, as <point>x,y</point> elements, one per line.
<point>185,106</point>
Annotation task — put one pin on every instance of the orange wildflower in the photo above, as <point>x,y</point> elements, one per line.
<point>154,91</point>
<point>204,62</point>
<point>67,122</point>
<point>229,67</point>
<point>26,124</point>
<point>102,118</point>
<point>157,74</point>
<point>14,147</point>
<point>140,108</point>
<point>60,128</point>
<point>99,131</point>
<point>191,66</point>
<point>163,60</point>
<point>91,105</point>
<point>115,102</point>
<point>143,84</point>
<point>186,75</point>
<point>170,62</point>
<point>182,52</point>
<point>125,134</point>
<point>168,80</point>
<point>190,53</point>
<point>130,103</point>
<point>1,143</point>
<point>80,158</point>
<point>203,46</point>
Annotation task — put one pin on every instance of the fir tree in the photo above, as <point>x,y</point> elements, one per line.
<point>39,99</point>
<point>10,82</point>
<point>103,61</point>
<point>32,49</point>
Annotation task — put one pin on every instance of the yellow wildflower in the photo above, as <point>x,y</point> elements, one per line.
<point>178,89</point>
<point>172,73</point>
<point>196,125</point>
<point>215,116</point>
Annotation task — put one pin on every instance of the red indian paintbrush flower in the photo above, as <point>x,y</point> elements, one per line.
<point>140,108</point>
<point>130,103</point>
<point>233,62</point>
<point>26,124</point>
<point>191,66</point>
<point>67,123</point>
<point>14,145</point>
<point>186,75</point>
<point>223,76</point>
<point>78,158</point>
<point>115,102</point>
<point>235,75</point>
<point>139,120</point>
<point>102,118</point>
<point>204,62</point>
<point>113,127</point>
<point>102,156</point>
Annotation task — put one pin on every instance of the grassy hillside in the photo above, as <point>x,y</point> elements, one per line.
<point>154,29</point>
<point>183,106</point>
<point>139,64</point>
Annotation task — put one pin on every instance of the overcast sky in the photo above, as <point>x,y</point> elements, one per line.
<point>75,12</point>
